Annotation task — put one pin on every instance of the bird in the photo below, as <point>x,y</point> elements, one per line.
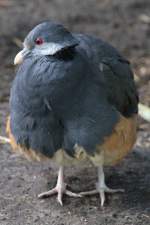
<point>73,101</point>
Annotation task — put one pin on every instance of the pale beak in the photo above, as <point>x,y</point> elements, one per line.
<point>20,56</point>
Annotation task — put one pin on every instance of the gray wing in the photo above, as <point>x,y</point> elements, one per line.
<point>118,76</point>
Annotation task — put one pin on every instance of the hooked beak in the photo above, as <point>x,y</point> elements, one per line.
<point>20,56</point>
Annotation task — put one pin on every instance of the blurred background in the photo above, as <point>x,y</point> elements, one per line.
<point>126,25</point>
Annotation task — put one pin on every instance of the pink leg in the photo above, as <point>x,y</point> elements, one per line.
<point>60,188</point>
<point>101,187</point>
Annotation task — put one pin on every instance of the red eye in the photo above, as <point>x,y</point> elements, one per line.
<point>39,41</point>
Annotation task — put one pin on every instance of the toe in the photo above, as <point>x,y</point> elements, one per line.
<point>59,198</point>
<point>47,193</point>
<point>110,190</point>
<point>102,197</point>
<point>71,194</point>
<point>92,192</point>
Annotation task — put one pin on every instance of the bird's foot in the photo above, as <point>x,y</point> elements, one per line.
<point>104,189</point>
<point>59,190</point>
<point>101,190</point>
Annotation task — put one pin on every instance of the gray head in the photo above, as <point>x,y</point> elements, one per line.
<point>47,38</point>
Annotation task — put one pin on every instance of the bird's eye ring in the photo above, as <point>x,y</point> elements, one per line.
<point>39,41</point>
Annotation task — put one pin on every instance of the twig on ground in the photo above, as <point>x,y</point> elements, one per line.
<point>144,18</point>
<point>4,140</point>
<point>144,112</point>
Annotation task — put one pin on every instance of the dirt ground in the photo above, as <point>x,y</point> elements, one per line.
<point>126,25</point>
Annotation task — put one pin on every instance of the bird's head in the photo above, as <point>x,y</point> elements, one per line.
<point>47,38</point>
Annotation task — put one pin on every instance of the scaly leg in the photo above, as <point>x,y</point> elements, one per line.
<point>101,187</point>
<point>60,188</point>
